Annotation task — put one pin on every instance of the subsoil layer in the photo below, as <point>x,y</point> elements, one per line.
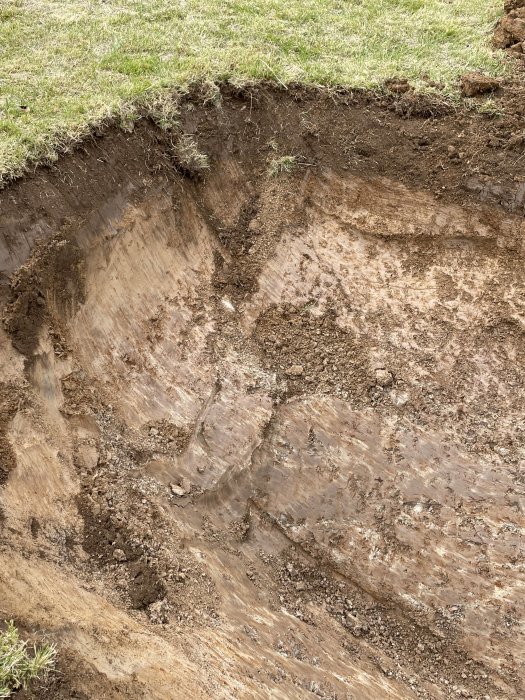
<point>261,424</point>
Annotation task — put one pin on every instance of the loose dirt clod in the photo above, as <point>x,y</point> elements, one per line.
<point>473,84</point>
<point>510,31</point>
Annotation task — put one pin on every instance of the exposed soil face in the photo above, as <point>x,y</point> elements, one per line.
<point>262,435</point>
<point>510,31</point>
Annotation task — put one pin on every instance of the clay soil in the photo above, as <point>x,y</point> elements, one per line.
<point>261,435</point>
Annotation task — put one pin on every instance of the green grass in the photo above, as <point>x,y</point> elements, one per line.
<point>65,64</point>
<point>18,665</point>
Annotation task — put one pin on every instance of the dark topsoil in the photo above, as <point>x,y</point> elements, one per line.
<point>456,152</point>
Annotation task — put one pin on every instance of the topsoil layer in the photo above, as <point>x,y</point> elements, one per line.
<point>261,424</point>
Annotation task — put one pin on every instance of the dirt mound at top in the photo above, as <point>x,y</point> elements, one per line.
<point>264,426</point>
<point>510,31</point>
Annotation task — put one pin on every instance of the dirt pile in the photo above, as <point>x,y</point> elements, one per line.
<point>510,32</point>
<point>263,428</point>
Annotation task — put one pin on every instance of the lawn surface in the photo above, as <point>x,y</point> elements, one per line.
<point>65,64</point>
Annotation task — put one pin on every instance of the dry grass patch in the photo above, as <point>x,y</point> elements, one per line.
<point>19,665</point>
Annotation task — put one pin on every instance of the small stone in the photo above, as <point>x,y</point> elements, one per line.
<point>153,431</point>
<point>177,490</point>
<point>158,612</point>
<point>119,555</point>
<point>384,377</point>
<point>400,399</point>
<point>295,371</point>
<point>227,304</point>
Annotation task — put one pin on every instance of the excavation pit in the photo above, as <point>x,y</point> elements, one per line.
<point>262,423</point>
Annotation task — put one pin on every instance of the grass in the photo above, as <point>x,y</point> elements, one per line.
<point>18,666</point>
<point>66,64</point>
<point>187,157</point>
<point>284,164</point>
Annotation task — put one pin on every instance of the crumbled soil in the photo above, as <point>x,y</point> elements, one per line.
<point>260,434</point>
<point>510,30</point>
<point>312,354</point>
<point>50,277</point>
